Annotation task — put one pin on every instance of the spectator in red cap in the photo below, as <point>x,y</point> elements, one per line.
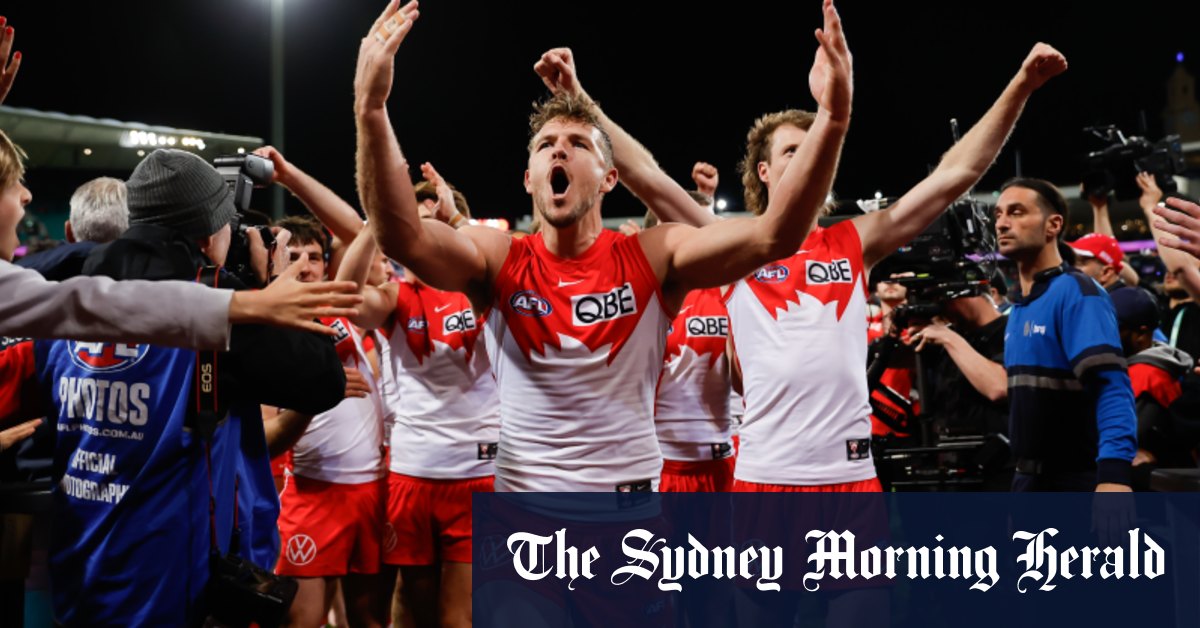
<point>1100,257</point>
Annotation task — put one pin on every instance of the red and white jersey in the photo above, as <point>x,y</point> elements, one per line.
<point>577,346</point>
<point>800,327</point>
<point>389,389</point>
<point>344,445</point>
<point>691,412</point>
<point>448,421</point>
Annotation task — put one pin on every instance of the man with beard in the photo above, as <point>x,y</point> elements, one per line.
<point>578,314</point>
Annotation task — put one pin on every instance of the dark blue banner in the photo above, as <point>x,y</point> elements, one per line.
<point>809,559</point>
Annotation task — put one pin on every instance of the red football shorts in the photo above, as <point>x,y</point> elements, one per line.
<point>281,463</point>
<point>697,476</point>
<point>430,520</point>
<point>330,529</point>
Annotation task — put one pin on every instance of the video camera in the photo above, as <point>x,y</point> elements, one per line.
<point>243,173</point>
<point>1113,168</point>
<point>951,259</point>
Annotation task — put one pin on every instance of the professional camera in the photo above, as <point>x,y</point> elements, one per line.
<point>243,173</point>
<point>951,259</point>
<point>1113,167</point>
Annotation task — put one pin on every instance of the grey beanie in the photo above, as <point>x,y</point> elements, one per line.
<point>177,189</point>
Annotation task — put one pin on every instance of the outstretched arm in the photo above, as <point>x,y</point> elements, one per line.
<point>336,214</point>
<point>1101,223</point>
<point>722,253</point>
<point>637,167</point>
<point>443,257</point>
<point>962,166</point>
<point>378,301</point>
<point>186,315</point>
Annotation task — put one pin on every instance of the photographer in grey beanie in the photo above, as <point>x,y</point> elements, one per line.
<point>179,190</point>
<point>180,214</point>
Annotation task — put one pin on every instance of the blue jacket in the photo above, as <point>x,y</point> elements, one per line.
<point>132,536</point>
<point>1070,399</point>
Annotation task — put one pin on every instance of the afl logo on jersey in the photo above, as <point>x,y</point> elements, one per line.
<point>529,303</point>
<point>775,273</point>
<point>106,357</point>
<point>416,324</point>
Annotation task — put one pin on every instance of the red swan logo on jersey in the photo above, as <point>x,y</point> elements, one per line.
<point>106,357</point>
<point>828,268</point>
<point>432,315</point>
<point>702,325</point>
<point>600,303</point>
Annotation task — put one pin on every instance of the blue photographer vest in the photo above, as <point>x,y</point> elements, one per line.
<point>131,539</point>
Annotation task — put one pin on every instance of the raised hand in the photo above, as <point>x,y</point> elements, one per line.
<point>377,54</point>
<point>282,167</point>
<point>706,177</point>
<point>8,67</point>
<point>831,79</point>
<point>1151,193</point>
<point>445,209</point>
<point>557,70</point>
<point>1042,64</point>
<point>288,302</point>
<point>1180,219</point>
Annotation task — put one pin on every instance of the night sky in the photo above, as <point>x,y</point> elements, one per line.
<point>685,80</point>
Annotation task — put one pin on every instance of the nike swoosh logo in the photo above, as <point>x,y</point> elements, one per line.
<point>564,284</point>
<point>440,308</point>
<point>685,309</point>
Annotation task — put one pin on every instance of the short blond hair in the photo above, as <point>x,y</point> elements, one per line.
<point>12,162</point>
<point>758,149</point>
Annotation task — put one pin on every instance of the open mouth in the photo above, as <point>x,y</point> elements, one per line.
<point>559,181</point>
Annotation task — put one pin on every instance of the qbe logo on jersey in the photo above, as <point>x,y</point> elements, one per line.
<point>707,326</point>
<point>106,357</point>
<point>589,309</point>
<point>836,271</point>
<point>458,322</point>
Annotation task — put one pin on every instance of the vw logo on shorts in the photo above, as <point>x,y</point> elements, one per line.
<point>301,550</point>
